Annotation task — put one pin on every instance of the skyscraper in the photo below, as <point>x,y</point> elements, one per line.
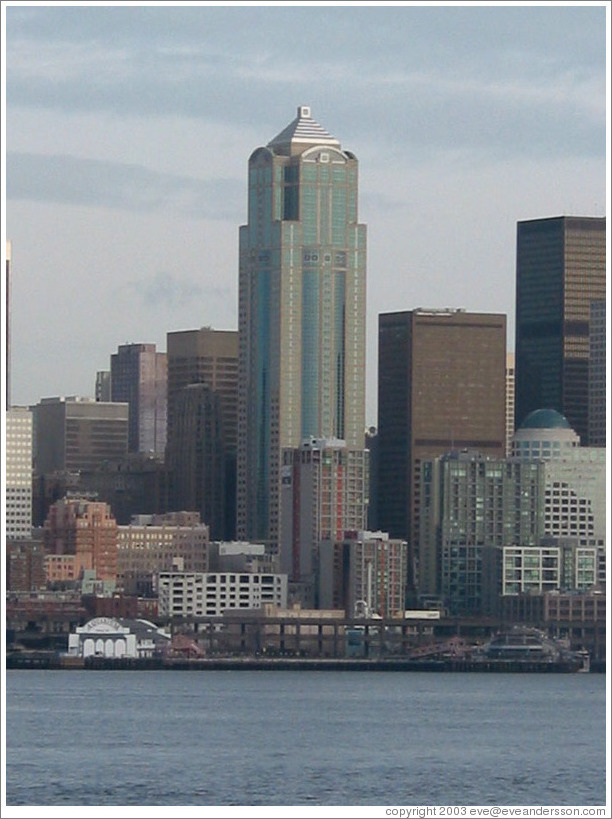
<point>210,357</point>
<point>441,387</point>
<point>560,270</point>
<point>138,376</point>
<point>202,425</point>
<point>302,313</point>
<point>197,456</point>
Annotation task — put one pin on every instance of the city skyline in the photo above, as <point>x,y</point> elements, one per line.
<point>465,121</point>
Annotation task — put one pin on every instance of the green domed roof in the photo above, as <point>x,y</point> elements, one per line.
<point>545,419</point>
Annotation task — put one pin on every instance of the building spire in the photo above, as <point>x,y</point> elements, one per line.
<point>303,130</point>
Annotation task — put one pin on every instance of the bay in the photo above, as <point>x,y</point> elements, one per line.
<point>249,738</point>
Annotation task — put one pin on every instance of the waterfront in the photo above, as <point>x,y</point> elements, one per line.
<point>85,738</point>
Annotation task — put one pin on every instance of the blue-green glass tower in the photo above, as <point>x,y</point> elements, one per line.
<point>302,313</point>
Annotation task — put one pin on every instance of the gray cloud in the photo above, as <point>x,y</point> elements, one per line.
<point>416,71</point>
<point>96,183</point>
<point>166,289</point>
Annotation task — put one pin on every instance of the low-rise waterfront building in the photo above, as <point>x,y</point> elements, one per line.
<point>201,594</point>
<point>117,638</point>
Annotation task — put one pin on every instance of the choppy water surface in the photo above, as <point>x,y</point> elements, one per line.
<point>296,738</point>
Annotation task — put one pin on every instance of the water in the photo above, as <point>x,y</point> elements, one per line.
<point>154,738</point>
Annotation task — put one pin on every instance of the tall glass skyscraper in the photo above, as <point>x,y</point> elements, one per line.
<point>560,271</point>
<point>302,313</point>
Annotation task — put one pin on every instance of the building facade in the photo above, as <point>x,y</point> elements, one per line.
<point>200,594</point>
<point>597,373</point>
<point>79,535</point>
<point>210,357</point>
<point>25,566</point>
<point>154,543</point>
<point>472,506</point>
<point>323,495</point>
<point>202,425</point>
<point>18,474</point>
<point>364,574</point>
<point>103,385</point>
<point>302,311</point>
<point>117,638</point>
<point>510,389</point>
<point>73,433</point>
<point>575,477</point>
<point>560,271</point>
<point>550,567</point>
<point>138,377</point>
<point>197,458</point>
<point>441,387</point>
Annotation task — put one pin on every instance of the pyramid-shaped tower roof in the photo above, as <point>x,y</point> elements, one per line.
<point>302,131</point>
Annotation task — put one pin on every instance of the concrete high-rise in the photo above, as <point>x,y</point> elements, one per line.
<point>560,271</point>
<point>302,313</point>
<point>323,496</point>
<point>365,574</point>
<point>74,433</point>
<point>471,505</point>
<point>138,376</point>
<point>441,387</point>
<point>18,471</point>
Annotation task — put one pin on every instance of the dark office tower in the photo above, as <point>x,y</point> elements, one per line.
<point>208,357</point>
<point>597,374</point>
<point>138,376</point>
<point>560,270</point>
<point>197,457</point>
<point>301,313</point>
<point>441,387</point>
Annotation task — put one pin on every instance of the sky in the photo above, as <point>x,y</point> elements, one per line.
<point>128,129</point>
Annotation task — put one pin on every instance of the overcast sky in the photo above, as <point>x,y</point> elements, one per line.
<point>129,128</point>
